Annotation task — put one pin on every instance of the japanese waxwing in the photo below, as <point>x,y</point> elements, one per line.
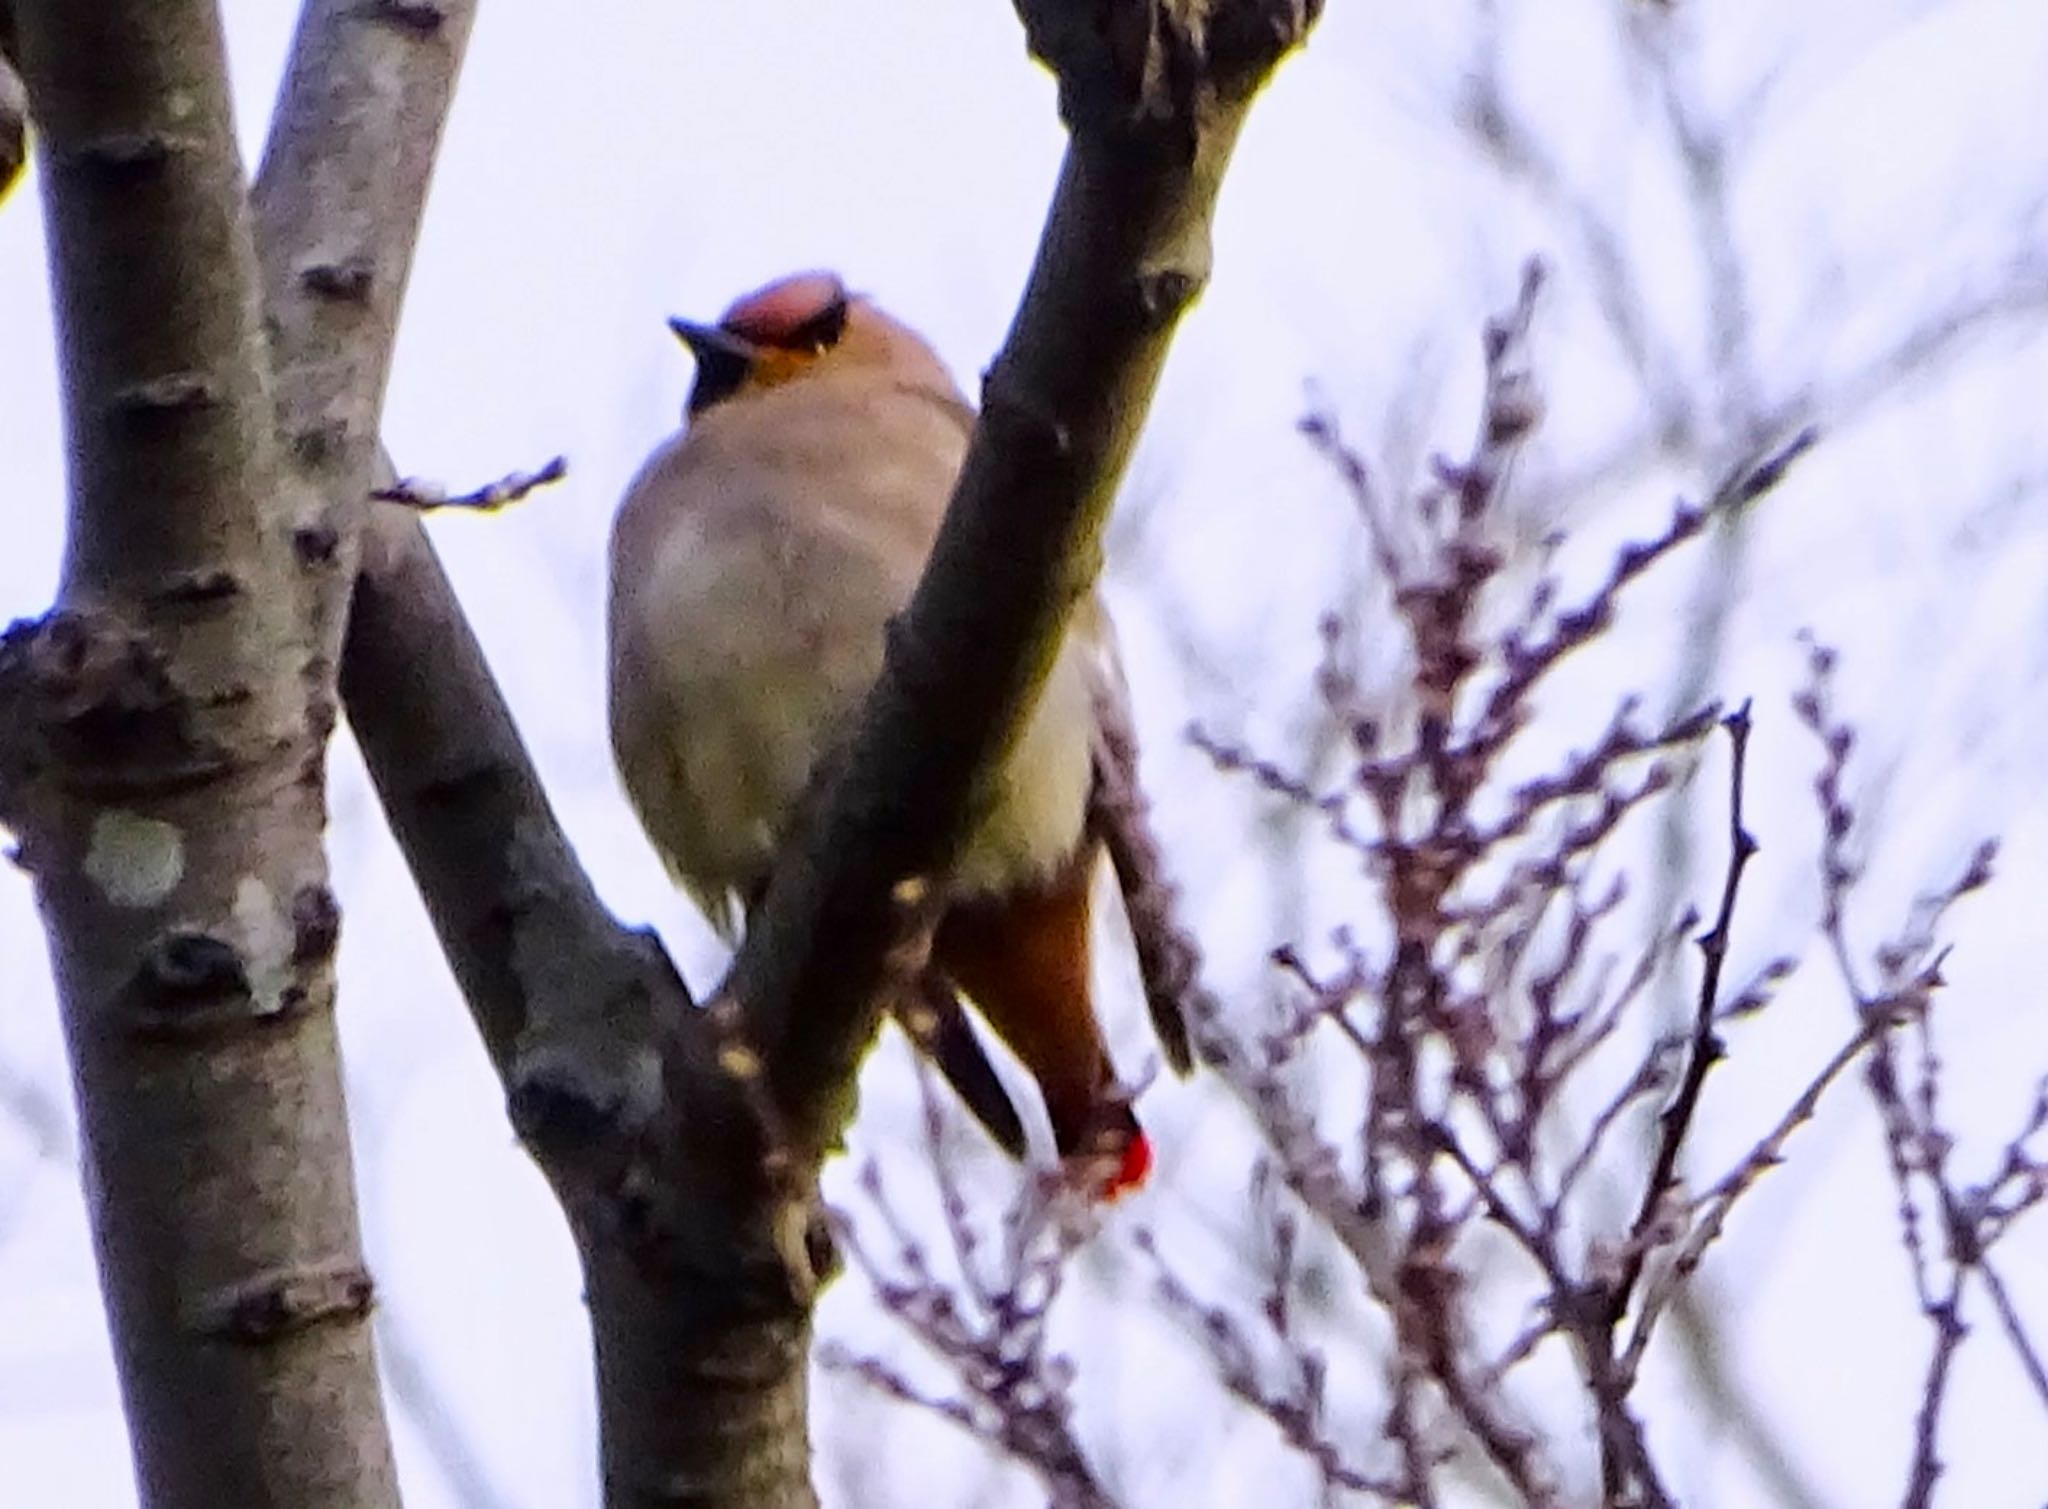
<point>756,562</point>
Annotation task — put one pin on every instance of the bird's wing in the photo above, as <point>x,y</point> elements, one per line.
<point>721,905</point>
<point>1117,815</point>
<point>937,1023</point>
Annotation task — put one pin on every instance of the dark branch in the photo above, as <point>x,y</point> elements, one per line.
<point>1153,95</point>
<point>1705,1048</point>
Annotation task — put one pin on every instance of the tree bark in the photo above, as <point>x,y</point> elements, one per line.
<point>337,201</point>
<point>165,766</point>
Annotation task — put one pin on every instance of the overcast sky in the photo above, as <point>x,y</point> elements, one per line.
<point>1884,166</point>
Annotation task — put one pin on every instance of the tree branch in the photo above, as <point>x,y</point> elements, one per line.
<point>158,758</point>
<point>1153,95</point>
<point>338,200</point>
<point>685,1169</point>
<point>684,1144</point>
<point>582,1019</point>
<point>698,1264</point>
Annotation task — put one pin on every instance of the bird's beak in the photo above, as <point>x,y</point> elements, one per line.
<point>724,361</point>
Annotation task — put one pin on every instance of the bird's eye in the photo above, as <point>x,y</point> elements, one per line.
<point>822,331</point>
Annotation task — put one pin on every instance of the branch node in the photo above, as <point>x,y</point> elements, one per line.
<point>195,590</point>
<point>345,280</point>
<point>285,1301</point>
<point>1135,64</point>
<point>85,698</point>
<point>1031,427</point>
<point>316,545</point>
<point>316,925</point>
<point>172,393</point>
<point>419,18</point>
<point>126,152</point>
<point>193,984</point>
<point>558,1105</point>
<point>1246,41</point>
<point>187,967</point>
<point>318,443</point>
<point>1164,295</point>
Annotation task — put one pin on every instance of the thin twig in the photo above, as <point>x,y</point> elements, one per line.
<point>1705,1049</point>
<point>416,493</point>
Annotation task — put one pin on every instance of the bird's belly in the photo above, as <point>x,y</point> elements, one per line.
<point>765,691</point>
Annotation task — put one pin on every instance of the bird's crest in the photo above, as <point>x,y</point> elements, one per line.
<point>803,312</point>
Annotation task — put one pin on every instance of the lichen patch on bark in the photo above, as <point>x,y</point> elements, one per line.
<point>135,861</point>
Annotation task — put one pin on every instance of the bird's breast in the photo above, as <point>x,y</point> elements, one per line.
<point>756,566</point>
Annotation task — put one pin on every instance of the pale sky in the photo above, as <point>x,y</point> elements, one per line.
<point>601,173</point>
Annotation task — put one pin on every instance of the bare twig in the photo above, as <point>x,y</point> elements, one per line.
<point>425,497</point>
<point>1487,995</point>
<point>1919,1149</point>
<point>1017,1393</point>
<point>1295,1405</point>
<point>1705,1048</point>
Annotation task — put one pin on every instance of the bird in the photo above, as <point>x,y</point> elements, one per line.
<point>756,562</point>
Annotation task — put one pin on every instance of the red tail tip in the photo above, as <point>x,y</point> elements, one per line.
<point>1133,1170</point>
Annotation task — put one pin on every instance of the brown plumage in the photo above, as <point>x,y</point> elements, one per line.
<point>756,562</point>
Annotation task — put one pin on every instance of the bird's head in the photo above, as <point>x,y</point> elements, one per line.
<point>796,326</point>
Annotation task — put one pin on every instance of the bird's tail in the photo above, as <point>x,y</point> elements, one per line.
<point>1022,958</point>
<point>1104,1146</point>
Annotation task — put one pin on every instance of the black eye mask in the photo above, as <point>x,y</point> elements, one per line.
<point>723,361</point>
